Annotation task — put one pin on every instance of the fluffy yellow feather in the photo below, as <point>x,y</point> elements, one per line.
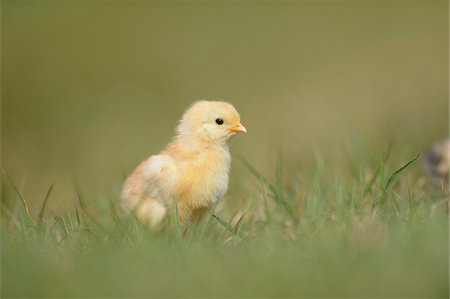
<point>191,172</point>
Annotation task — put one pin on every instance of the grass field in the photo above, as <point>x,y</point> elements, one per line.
<point>374,234</point>
<point>325,199</point>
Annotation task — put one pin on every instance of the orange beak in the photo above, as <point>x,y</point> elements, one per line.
<point>238,128</point>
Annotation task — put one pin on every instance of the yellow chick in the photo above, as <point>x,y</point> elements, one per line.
<point>190,173</point>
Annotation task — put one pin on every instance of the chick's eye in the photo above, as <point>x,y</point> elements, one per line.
<point>219,121</point>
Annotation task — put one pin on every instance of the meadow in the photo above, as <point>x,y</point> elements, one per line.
<point>327,198</point>
<point>348,236</point>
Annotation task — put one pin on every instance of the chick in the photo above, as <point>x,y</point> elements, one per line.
<point>437,162</point>
<point>190,173</point>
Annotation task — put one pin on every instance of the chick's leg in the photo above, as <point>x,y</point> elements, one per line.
<point>188,214</point>
<point>199,214</point>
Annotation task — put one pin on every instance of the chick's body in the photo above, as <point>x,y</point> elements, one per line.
<point>190,173</point>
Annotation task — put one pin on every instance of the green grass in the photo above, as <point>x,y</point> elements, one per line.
<point>377,231</point>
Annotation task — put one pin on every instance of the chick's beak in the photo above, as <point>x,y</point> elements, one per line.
<point>238,128</point>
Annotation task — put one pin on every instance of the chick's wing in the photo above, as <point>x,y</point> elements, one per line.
<point>160,176</point>
<point>153,178</point>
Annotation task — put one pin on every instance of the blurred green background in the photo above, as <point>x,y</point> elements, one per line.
<point>90,88</point>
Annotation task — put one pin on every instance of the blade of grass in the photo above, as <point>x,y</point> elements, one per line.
<point>238,223</point>
<point>377,172</point>
<point>84,210</point>
<point>280,173</point>
<point>12,218</point>
<point>44,204</point>
<point>396,174</point>
<point>392,179</point>
<point>279,199</point>
<point>78,217</point>
<point>382,175</point>
<point>224,224</point>
<point>24,202</point>
<point>395,203</point>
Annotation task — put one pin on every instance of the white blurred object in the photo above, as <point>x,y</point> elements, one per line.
<point>436,162</point>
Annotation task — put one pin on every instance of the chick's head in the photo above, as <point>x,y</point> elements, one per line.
<point>210,122</point>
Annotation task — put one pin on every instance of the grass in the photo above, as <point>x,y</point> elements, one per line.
<point>378,231</point>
